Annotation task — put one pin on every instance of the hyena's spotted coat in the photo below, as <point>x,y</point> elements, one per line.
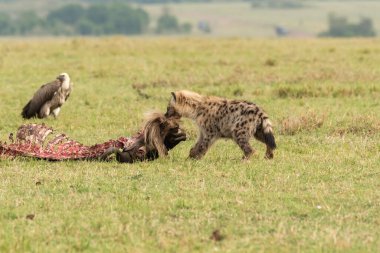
<point>223,118</point>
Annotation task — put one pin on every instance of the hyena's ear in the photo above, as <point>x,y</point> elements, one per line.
<point>173,97</point>
<point>172,113</point>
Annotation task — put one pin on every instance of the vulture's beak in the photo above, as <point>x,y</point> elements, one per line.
<point>61,78</point>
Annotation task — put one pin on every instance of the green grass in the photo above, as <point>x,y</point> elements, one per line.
<point>320,193</point>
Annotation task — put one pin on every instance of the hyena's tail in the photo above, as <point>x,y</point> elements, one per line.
<point>264,133</point>
<point>268,133</point>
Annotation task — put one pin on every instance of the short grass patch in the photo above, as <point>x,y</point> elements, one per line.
<point>319,193</point>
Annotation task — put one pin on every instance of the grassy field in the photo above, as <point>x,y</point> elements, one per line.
<point>320,193</point>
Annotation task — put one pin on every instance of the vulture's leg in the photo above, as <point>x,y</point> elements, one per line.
<point>45,111</point>
<point>56,112</point>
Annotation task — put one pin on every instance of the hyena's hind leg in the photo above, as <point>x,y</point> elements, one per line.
<point>241,138</point>
<point>259,135</point>
<point>203,144</point>
<point>268,140</point>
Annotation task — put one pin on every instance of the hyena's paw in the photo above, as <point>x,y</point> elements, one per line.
<point>193,158</point>
<point>194,155</point>
<point>245,160</point>
<point>248,155</point>
<point>269,155</point>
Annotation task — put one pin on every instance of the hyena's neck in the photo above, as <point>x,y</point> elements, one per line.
<point>188,111</point>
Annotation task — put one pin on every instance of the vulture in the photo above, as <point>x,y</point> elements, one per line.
<point>49,98</point>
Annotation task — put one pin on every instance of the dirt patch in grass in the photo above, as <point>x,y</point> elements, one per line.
<point>30,216</point>
<point>216,236</point>
<point>270,62</point>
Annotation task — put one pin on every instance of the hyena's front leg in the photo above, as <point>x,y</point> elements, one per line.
<point>201,147</point>
<point>195,148</point>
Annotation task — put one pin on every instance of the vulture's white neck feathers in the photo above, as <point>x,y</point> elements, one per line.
<point>66,81</point>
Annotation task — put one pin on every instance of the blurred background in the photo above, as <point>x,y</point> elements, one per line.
<point>245,18</point>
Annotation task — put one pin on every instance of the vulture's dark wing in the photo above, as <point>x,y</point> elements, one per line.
<point>42,95</point>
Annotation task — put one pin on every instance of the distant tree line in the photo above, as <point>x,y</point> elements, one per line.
<point>167,1</point>
<point>132,1</point>
<point>340,27</point>
<point>168,24</point>
<point>97,19</point>
<point>277,4</point>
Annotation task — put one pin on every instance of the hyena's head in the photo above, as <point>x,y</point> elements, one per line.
<point>184,103</point>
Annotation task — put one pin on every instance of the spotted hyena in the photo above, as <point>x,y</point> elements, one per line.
<point>223,118</point>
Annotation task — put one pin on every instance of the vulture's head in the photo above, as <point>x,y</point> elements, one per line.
<point>63,77</point>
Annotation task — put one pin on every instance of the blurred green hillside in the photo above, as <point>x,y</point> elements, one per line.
<point>256,18</point>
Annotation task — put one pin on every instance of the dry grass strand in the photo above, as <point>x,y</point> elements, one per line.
<point>306,122</point>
